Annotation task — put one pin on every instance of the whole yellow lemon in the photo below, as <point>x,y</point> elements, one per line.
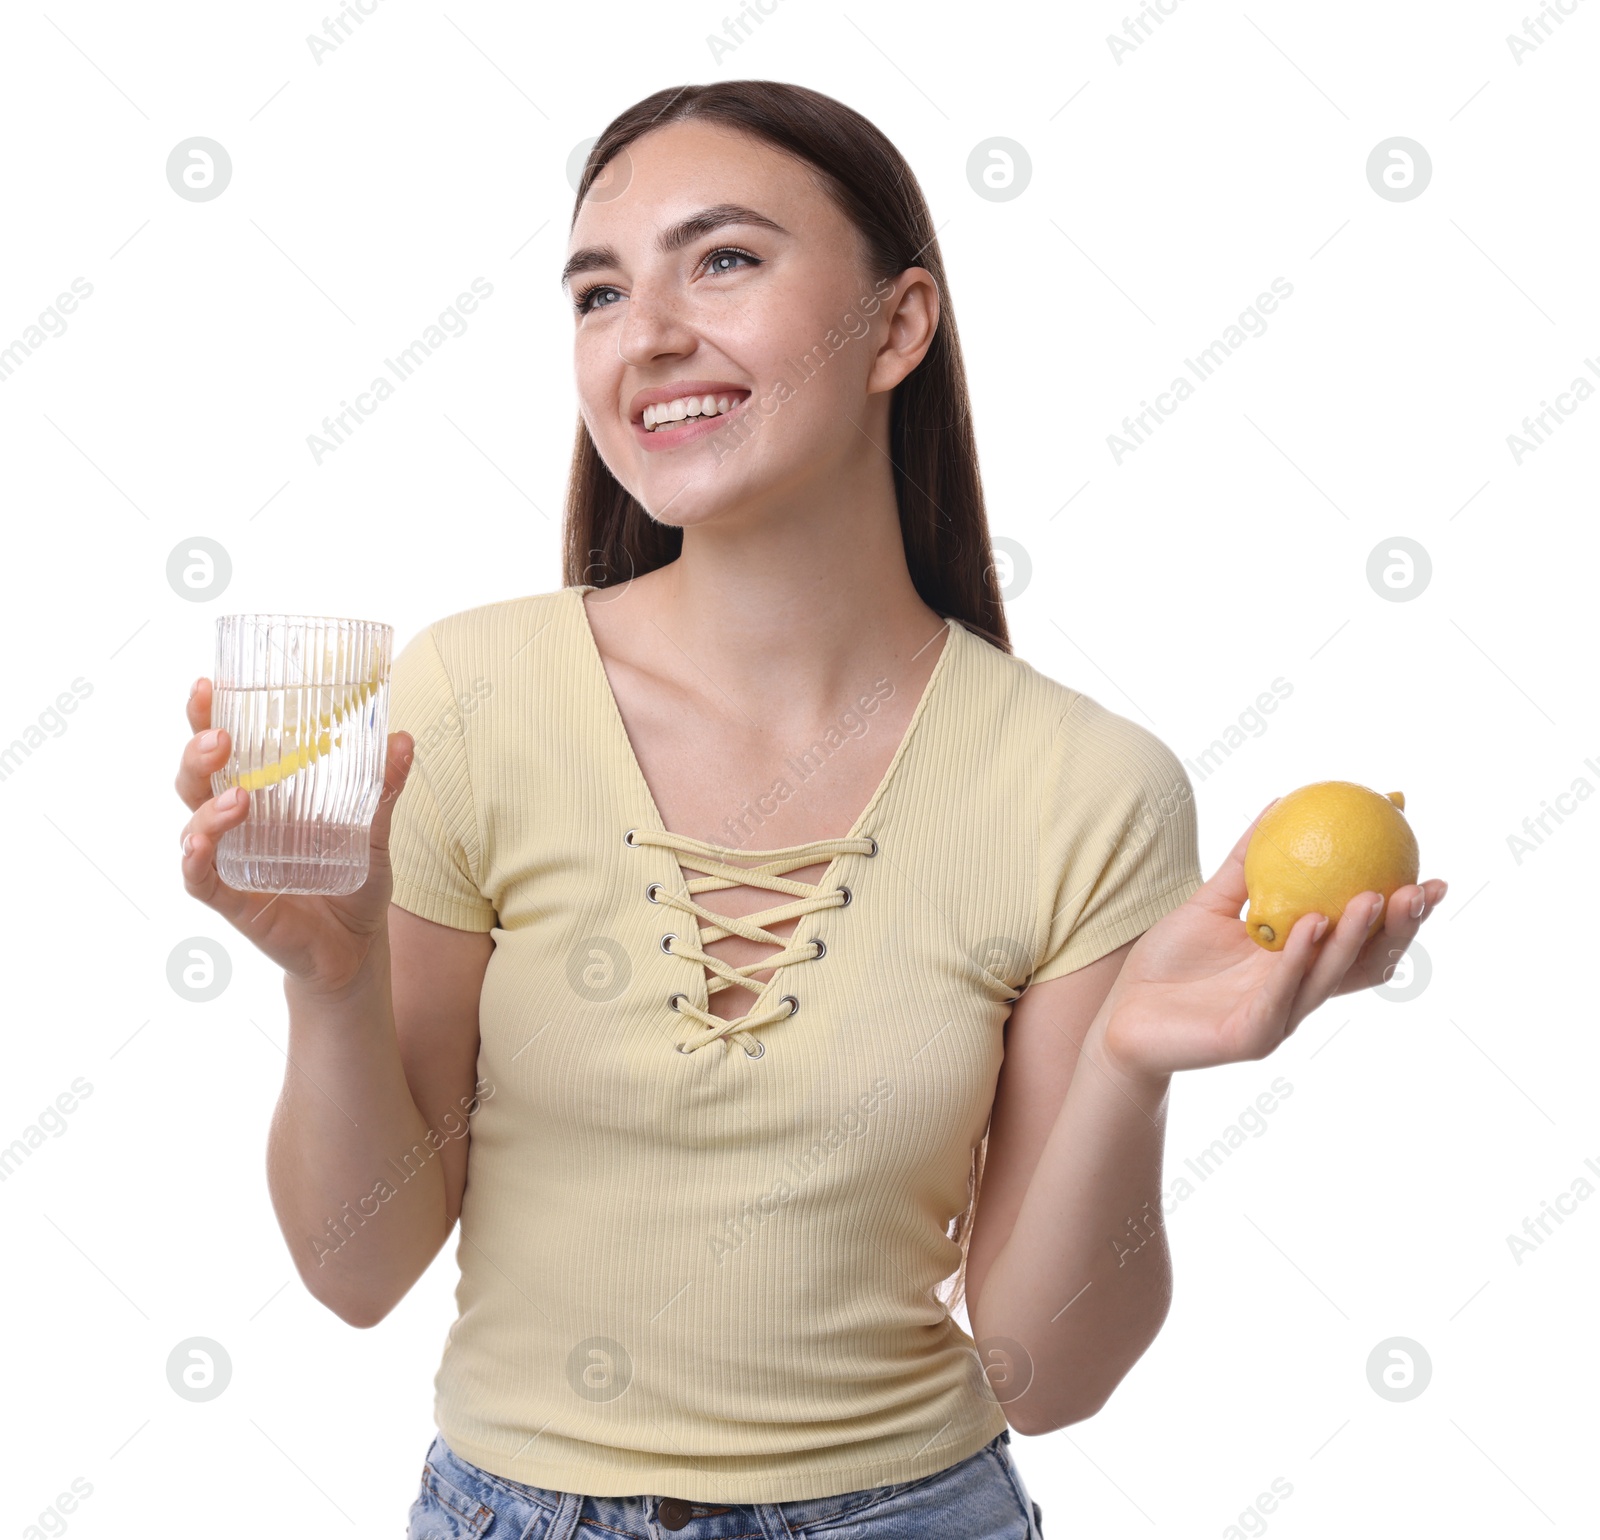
<point>1317,848</point>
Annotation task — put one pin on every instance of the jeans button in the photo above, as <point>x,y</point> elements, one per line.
<point>672,1514</point>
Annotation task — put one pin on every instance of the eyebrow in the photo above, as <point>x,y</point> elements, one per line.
<point>673,238</point>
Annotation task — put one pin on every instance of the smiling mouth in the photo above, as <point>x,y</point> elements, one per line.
<point>666,415</point>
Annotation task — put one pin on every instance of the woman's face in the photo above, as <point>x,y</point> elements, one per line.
<point>759,302</point>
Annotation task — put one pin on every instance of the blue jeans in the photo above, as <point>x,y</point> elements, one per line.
<point>979,1498</point>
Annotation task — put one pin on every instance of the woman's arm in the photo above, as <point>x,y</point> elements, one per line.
<point>1068,1256</point>
<point>367,1154</point>
<point>1082,1278</point>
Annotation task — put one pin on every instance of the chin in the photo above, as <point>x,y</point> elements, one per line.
<point>699,491</point>
<point>687,510</point>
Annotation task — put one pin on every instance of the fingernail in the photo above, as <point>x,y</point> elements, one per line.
<point>229,798</point>
<point>1320,928</point>
<point>192,688</point>
<point>1374,907</point>
<point>188,843</point>
<point>208,741</point>
<point>1418,904</point>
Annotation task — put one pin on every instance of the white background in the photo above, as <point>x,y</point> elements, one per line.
<point>1167,191</point>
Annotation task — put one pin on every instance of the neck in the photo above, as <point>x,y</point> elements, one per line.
<point>810,596</point>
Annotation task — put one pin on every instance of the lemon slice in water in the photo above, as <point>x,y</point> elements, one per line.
<point>281,769</point>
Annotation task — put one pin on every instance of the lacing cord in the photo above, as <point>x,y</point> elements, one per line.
<point>808,898</point>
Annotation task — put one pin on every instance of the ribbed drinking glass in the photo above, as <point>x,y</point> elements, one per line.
<point>304,700</point>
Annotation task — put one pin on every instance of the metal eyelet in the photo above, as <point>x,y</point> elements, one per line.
<point>670,936</point>
<point>847,896</point>
<point>650,893</point>
<point>794,1005</point>
<point>627,839</point>
<point>871,853</point>
<point>821,948</point>
<point>756,1052</point>
<point>672,998</point>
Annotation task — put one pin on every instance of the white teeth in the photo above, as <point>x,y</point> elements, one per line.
<point>686,406</point>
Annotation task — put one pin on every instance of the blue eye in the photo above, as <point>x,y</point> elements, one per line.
<point>584,300</point>
<point>580,301</point>
<point>728,251</point>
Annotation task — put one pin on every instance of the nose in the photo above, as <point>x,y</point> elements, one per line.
<point>655,324</point>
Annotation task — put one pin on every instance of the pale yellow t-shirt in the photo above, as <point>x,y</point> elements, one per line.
<point>709,1274</point>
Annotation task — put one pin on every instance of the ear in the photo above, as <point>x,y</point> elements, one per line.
<point>911,310</point>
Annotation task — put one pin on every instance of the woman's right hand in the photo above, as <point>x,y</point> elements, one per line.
<point>320,941</point>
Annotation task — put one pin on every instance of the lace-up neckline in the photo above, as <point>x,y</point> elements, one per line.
<point>808,898</point>
<point>711,859</point>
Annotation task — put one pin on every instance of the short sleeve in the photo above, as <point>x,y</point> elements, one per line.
<point>1118,838</point>
<point>433,839</point>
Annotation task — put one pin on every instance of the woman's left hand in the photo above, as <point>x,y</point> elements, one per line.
<point>1195,990</point>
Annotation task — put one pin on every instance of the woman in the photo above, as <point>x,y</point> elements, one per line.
<point>725,877</point>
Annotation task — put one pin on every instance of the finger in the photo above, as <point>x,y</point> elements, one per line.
<point>1433,891</point>
<point>1397,925</point>
<point>1405,910</point>
<point>203,755</point>
<point>1411,905</point>
<point>198,709</point>
<point>1345,947</point>
<point>198,860</point>
<point>1277,1011</point>
<point>1388,943</point>
<point>396,771</point>
<point>1225,893</point>
<point>1408,908</point>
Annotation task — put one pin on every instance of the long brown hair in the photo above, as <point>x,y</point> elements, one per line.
<point>609,537</point>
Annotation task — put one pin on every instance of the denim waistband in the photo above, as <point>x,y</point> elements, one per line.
<point>475,1496</point>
